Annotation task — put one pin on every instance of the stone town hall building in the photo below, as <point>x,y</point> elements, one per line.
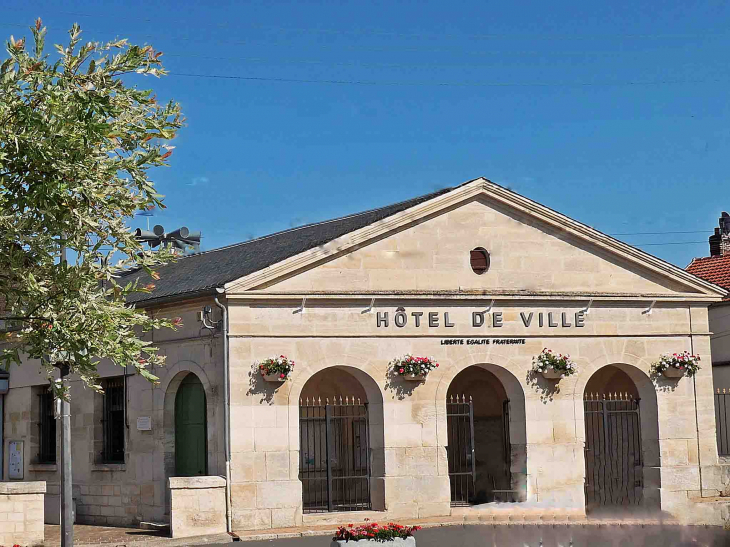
<point>475,276</point>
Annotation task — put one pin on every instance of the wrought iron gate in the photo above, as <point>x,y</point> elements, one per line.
<point>460,450</point>
<point>612,450</point>
<point>334,455</point>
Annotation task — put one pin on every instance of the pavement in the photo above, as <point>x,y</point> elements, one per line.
<point>108,536</point>
<point>435,533</point>
<point>545,535</point>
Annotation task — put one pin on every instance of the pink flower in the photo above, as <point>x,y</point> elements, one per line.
<point>401,371</point>
<point>282,376</point>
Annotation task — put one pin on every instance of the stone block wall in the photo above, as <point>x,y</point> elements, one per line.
<point>197,506</point>
<point>408,421</point>
<point>123,494</point>
<point>21,513</point>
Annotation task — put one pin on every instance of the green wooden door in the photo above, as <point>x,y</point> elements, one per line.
<point>190,429</point>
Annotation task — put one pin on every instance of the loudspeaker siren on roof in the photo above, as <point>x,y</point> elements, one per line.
<point>180,239</point>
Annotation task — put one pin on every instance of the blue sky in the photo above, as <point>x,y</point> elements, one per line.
<point>614,114</point>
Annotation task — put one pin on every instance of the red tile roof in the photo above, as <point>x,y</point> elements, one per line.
<point>715,269</point>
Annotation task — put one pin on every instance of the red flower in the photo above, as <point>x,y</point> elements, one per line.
<point>282,376</point>
<point>401,371</point>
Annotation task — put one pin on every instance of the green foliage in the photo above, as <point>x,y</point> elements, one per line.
<point>76,147</point>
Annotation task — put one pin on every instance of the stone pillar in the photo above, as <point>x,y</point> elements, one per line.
<point>197,506</point>
<point>21,513</point>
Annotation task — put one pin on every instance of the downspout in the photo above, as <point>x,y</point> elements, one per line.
<point>226,410</point>
<point>694,387</point>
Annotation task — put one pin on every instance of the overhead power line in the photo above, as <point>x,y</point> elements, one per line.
<point>348,46</point>
<point>667,243</point>
<point>428,35</point>
<point>659,233</point>
<point>453,83</point>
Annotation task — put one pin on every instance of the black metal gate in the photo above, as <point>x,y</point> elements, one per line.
<point>334,455</point>
<point>612,450</point>
<point>460,450</point>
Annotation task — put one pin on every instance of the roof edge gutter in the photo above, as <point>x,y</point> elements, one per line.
<point>173,298</point>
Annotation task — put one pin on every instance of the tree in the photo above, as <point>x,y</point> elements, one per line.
<point>76,147</point>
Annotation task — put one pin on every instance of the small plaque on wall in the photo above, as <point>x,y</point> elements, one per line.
<point>15,460</point>
<point>144,423</point>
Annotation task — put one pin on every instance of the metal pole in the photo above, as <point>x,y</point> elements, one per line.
<point>328,422</point>
<point>67,524</point>
<point>67,527</point>
<point>2,441</point>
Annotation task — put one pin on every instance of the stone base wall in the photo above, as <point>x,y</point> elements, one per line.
<point>21,513</point>
<point>197,506</point>
<point>110,504</point>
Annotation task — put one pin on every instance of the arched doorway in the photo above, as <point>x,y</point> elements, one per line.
<point>621,438</point>
<point>481,442</point>
<point>337,442</point>
<point>191,432</point>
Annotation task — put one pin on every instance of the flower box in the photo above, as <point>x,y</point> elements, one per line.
<point>411,368</point>
<point>677,365</point>
<point>276,369</point>
<point>553,366</point>
<point>414,377</point>
<point>673,372</point>
<point>273,378</point>
<point>401,542</point>
<point>371,533</point>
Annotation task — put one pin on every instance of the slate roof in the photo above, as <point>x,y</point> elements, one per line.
<point>715,269</point>
<point>201,273</point>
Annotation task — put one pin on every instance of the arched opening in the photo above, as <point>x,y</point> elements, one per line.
<point>340,441</point>
<point>486,442</point>
<point>621,439</point>
<point>191,431</point>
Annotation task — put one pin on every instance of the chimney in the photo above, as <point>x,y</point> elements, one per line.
<point>720,240</point>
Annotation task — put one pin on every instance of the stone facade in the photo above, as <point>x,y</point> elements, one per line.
<point>21,513</point>
<point>136,490</point>
<point>344,310</point>
<point>422,267</point>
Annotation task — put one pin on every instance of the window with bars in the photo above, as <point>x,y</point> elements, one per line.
<point>46,428</point>
<point>113,421</point>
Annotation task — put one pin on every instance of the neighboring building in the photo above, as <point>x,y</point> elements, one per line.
<point>478,277</point>
<point>716,269</point>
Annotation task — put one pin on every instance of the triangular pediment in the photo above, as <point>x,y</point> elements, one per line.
<point>426,249</point>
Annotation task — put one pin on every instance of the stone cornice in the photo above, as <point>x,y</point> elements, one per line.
<point>500,296</point>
